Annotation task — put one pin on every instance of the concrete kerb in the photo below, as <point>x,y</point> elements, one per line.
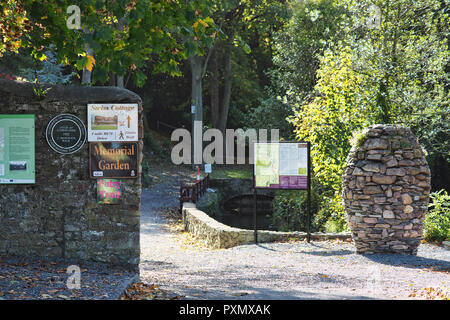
<point>218,235</point>
<point>125,285</point>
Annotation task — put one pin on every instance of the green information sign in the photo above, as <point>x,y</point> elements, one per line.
<point>17,149</point>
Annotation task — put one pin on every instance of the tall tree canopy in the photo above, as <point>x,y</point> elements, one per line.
<point>387,73</point>
<point>122,36</point>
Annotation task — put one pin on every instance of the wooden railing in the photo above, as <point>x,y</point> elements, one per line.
<point>191,192</point>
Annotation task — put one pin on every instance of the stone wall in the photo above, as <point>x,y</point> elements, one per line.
<point>59,215</point>
<point>386,187</point>
<point>217,235</point>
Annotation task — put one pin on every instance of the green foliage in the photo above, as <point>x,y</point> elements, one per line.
<point>40,92</point>
<point>329,120</point>
<point>393,73</point>
<point>271,113</point>
<point>249,27</point>
<point>46,71</point>
<point>331,216</point>
<point>209,203</point>
<point>124,35</point>
<point>358,138</point>
<point>402,62</point>
<point>224,173</point>
<point>299,46</point>
<point>437,221</point>
<point>290,210</point>
<point>297,50</point>
<point>146,180</point>
<point>13,24</point>
<point>151,143</point>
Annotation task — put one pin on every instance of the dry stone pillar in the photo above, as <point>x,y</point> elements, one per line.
<point>386,187</point>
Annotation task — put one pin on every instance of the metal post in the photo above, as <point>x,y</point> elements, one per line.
<point>255,219</point>
<point>309,193</point>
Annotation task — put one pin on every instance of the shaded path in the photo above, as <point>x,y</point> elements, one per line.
<point>298,270</point>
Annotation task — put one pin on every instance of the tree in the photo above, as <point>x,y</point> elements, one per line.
<point>247,25</point>
<point>298,47</point>
<point>122,36</point>
<point>387,73</point>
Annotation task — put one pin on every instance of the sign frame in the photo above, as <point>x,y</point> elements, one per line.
<point>51,140</point>
<point>136,156</point>
<point>308,189</point>
<point>279,187</point>
<point>18,164</point>
<point>112,185</point>
<point>106,124</point>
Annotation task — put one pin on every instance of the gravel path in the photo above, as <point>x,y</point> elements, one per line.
<point>298,270</point>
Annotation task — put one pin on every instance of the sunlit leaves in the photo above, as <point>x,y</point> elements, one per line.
<point>13,24</point>
<point>121,34</point>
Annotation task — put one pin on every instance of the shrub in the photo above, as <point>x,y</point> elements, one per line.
<point>151,143</point>
<point>146,179</point>
<point>290,209</point>
<point>437,221</point>
<point>331,216</point>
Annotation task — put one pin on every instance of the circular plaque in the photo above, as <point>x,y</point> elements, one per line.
<point>66,133</point>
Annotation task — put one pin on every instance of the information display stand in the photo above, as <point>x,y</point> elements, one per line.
<point>282,165</point>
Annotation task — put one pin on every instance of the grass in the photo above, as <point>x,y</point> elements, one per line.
<point>358,138</point>
<point>232,174</point>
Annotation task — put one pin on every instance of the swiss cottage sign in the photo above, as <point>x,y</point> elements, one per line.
<point>112,122</point>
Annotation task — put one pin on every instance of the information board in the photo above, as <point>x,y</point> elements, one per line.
<point>17,149</point>
<point>281,165</point>
<point>113,160</point>
<point>112,122</point>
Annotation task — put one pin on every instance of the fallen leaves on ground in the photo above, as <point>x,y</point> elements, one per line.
<point>431,293</point>
<point>44,279</point>
<point>175,226</point>
<point>143,291</point>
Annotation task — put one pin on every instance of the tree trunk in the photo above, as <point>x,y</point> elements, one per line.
<point>227,85</point>
<point>214,89</point>
<point>197,101</point>
<point>120,27</point>
<point>86,77</point>
<point>120,82</point>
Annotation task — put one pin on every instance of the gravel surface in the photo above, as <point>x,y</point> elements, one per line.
<point>297,270</point>
<point>30,279</point>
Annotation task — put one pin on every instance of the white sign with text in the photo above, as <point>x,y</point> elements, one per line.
<point>112,122</point>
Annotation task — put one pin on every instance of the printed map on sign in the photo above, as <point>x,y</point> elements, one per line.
<point>281,165</point>
<point>112,122</point>
<point>267,164</point>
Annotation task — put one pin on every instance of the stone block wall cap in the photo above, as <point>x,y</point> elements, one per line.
<point>76,94</point>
